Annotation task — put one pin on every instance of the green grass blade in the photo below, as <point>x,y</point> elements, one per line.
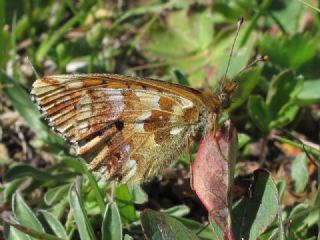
<point>21,101</point>
<point>51,41</point>
<point>81,218</point>
<point>95,188</point>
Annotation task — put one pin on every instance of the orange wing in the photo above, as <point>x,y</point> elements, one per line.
<point>127,128</point>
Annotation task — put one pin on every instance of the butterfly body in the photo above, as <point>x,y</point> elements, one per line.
<point>127,128</point>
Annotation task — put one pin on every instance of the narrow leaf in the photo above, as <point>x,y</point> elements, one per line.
<point>55,194</point>
<point>82,221</point>
<point>11,188</point>
<point>95,188</point>
<point>24,215</point>
<point>299,172</point>
<point>55,224</point>
<point>29,232</point>
<point>178,211</point>
<point>23,170</point>
<point>111,226</point>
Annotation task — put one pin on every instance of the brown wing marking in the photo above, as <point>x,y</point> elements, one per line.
<point>134,156</point>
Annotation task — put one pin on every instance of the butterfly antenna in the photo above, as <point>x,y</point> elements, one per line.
<point>263,58</point>
<point>240,22</point>
<point>33,69</point>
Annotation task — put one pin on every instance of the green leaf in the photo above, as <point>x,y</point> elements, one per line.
<point>309,93</point>
<point>15,234</point>
<point>283,90</point>
<point>24,215</point>
<point>73,163</point>
<point>243,139</point>
<point>177,211</point>
<point>160,226</point>
<point>23,232</point>
<point>258,112</point>
<point>197,228</point>
<point>125,204</point>
<point>218,233</point>
<point>284,116</point>
<point>59,209</point>
<point>181,38</point>
<point>55,194</point>
<point>279,108</point>
<point>289,52</point>
<point>288,16</point>
<point>182,45</point>
<point>253,214</point>
<point>127,237</point>
<point>270,235</point>
<point>180,77</point>
<point>5,45</point>
<point>247,82</point>
<point>281,186</point>
<point>54,224</point>
<point>298,223</point>
<point>95,188</point>
<point>29,171</point>
<point>11,188</point>
<point>185,43</point>
<point>299,172</point>
<point>137,193</point>
<point>80,216</point>
<point>21,101</point>
<point>4,37</point>
<point>111,226</point>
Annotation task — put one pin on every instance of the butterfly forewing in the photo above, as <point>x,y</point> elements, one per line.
<point>127,128</point>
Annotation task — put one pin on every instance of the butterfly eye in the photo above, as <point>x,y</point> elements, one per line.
<point>224,100</point>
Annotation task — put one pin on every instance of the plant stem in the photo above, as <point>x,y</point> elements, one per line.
<point>303,147</point>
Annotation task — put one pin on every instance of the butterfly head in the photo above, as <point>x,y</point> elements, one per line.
<point>224,92</point>
<point>226,88</point>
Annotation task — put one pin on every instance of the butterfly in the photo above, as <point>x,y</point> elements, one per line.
<point>128,128</point>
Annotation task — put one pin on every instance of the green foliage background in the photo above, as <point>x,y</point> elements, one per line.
<point>187,42</point>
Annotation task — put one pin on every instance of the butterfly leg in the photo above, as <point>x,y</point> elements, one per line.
<point>190,161</point>
<point>215,124</point>
<point>216,137</point>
